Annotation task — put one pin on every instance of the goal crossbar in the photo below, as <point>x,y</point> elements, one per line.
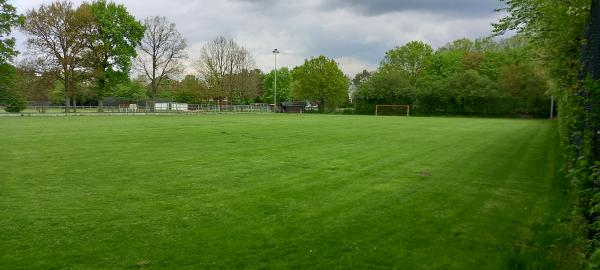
<point>377,108</point>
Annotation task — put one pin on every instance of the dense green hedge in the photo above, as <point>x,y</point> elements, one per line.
<point>470,106</point>
<point>14,104</point>
<point>469,78</point>
<point>567,35</point>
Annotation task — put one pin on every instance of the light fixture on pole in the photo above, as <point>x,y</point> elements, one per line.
<point>275,52</point>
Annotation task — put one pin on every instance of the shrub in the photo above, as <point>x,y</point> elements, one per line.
<point>14,105</point>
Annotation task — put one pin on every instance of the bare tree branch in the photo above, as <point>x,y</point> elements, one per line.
<point>221,64</point>
<point>161,52</point>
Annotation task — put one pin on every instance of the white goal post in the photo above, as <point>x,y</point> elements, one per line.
<point>378,108</point>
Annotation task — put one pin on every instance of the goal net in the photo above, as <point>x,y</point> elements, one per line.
<point>399,110</point>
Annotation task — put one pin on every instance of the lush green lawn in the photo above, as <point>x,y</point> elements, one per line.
<point>272,191</point>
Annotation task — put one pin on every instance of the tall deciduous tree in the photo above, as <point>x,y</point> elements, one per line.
<point>284,82</point>
<point>361,77</point>
<point>112,46</point>
<point>320,80</point>
<point>445,63</point>
<point>248,85</point>
<point>162,50</point>
<point>223,64</point>
<point>411,58</point>
<point>387,86</point>
<point>58,35</point>
<point>191,90</point>
<point>8,19</point>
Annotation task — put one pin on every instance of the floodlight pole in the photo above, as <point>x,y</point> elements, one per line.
<point>275,52</point>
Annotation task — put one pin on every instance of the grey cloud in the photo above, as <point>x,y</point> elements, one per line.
<point>456,7</point>
<point>378,7</point>
<point>353,31</point>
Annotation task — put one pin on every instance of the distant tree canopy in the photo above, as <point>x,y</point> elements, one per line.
<point>191,90</point>
<point>320,80</point>
<point>465,77</point>
<point>58,35</point>
<point>8,20</point>
<point>503,78</point>
<point>361,77</point>
<point>284,83</point>
<point>228,69</point>
<point>410,59</point>
<point>112,45</point>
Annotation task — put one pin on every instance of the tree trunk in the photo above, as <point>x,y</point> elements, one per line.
<point>322,106</point>
<point>74,104</point>
<point>154,91</point>
<point>101,85</point>
<point>66,81</point>
<point>67,103</point>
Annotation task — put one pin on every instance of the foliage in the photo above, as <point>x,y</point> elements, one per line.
<point>472,60</point>
<point>557,29</point>
<point>411,59</point>
<point>33,86</point>
<point>466,45</point>
<point>58,34</point>
<point>284,82</point>
<point>433,98</point>
<point>133,90</point>
<point>387,86</point>
<point>361,77</point>
<point>444,63</point>
<point>9,96</point>
<point>320,80</point>
<point>248,86</point>
<point>566,34</point>
<point>191,90</point>
<point>14,104</point>
<point>522,80</point>
<point>228,69</point>
<point>57,89</point>
<point>8,19</point>
<point>7,73</point>
<point>471,93</point>
<point>475,78</point>
<point>112,45</point>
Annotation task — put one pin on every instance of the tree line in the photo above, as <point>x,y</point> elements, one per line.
<point>481,77</point>
<point>85,54</point>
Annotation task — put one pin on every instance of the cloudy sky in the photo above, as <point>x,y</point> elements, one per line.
<point>356,33</point>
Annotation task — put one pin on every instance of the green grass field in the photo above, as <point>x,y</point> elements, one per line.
<point>273,191</point>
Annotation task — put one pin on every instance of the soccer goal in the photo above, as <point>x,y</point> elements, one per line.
<point>392,110</point>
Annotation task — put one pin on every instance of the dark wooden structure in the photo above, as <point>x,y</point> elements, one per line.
<point>293,107</point>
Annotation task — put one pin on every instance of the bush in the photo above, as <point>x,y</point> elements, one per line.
<point>14,105</point>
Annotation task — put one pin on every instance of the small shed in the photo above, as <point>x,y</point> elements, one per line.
<point>293,107</point>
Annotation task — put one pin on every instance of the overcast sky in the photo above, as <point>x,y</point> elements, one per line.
<point>356,33</point>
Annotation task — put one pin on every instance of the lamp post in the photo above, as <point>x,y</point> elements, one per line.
<point>275,52</point>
